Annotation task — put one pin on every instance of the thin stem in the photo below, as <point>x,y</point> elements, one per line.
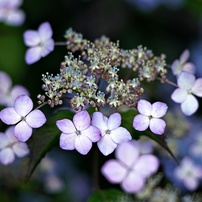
<point>41,105</point>
<point>172,83</point>
<point>60,43</point>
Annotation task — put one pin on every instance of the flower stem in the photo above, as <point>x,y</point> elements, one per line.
<point>60,43</point>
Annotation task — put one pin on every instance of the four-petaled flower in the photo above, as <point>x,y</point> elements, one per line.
<point>11,146</point>
<point>79,133</point>
<point>130,168</point>
<point>149,116</point>
<point>188,85</point>
<point>40,43</point>
<point>22,115</point>
<point>112,133</point>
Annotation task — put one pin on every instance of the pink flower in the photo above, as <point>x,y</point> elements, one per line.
<point>188,86</point>
<point>150,116</point>
<point>21,115</point>
<point>78,134</point>
<point>130,169</point>
<point>40,43</point>
<point>112,133</point>
<point>182,65</point>
<point>10,146</point>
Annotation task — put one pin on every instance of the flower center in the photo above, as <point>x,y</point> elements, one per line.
<point>108,132</point>
<point>78,132</point>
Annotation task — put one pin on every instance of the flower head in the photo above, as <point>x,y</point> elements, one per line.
<point>130,168</point>
<point>79,133</point>
<point>21,115</point>
<point>150,116</point>
<point>40,43</point>
<point>112,133</point>
<point>10,146</point>
<point>188,87</point>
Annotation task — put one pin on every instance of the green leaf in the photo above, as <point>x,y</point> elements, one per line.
<point>43,140</point>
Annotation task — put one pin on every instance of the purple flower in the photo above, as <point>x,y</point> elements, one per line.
<point>130,169</point>
<point>112,133</point>
<point>182,65</point>
<point>188,85</point>
<point>21,115</point>
<point>149,116</point>
<point>10,146</point>
<point>78,134</point>
<point>8,94</point>
<point>188,173</point>
<point>40,43</point>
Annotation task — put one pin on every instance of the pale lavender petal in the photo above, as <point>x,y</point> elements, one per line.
<point>127,153</point>
<point>22,131</point>
<point>15,17</point>
<point>120,135</point>
<point>159,109</point>
<point>141,122</point>
<point>7,156</point>
<point>23,105</point>
<point>191,184</point>
<point>9,116</point>
<point>36,118</point>
<point>33,55</point>
<point>81,120</point>
<point>47,47</point>
<point>157,126</point>
<point>4,140</point>
<point>106,145</point>
<point>186,80</point>
<point>5,82</point>
<point>10,134</point>
<point>92,133</point>
<point>190,105</point>
<point>114,121</point>
<point>99,121</point>
<point>67,141</point>
<point>179,95</point>
<point>197,88</point>
<point>113,171</point>
<point>83,144</point>
<point>189,67</point>
<point>175,67</point>
<point>66,126</point>
<point>31,38</point>
<point>21,149</point>
<point>134,182</point>
<point>45,31</point>
<point>144,107</point>
<point>184,56</point>
<point>147,165</point>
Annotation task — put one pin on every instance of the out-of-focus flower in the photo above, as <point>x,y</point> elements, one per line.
<point>188,173</point>
<point>10,146</point>
<point>150,116</point>
<point>40,43</point>
<point>22,115</point>
<point>10,12</point>
<point>130,169</point>
<point>78,134</point>
<point>196,147</point>
<point>8,94</point>
<point>112,133</point>
<point>182,65</point>
<point>188,86</point>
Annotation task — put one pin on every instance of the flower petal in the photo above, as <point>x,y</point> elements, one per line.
<point>4,140</point>
<point>81,120</point>
<point>22,131</point>
<point>45,31</point>
<point>141,122</point>
<point>186,80</point>
<point>114,121</point>
<point>179,95</point>
<point>159,109</point>
<point>144,107</point>
<point>114,171</point>
<point>33,55</point>
<point>197,88</point>
<point>175,67</point>
<point>83,144</point>
<point>66,126</point>
<point>47,47</point>
<point>120,135</point>
<point>23,105</point>
<point>190,105</point>
<point>31,38</point>
<point>99,121</point>
<point>184,56</point>
<point>157,126</point>
<point>67,141</point>
<point>92,133</point>
<point>35,119</point>
<point>189,67</point>
<point>21,149</point>
<point>9,116</point>
<point>5,83</point>
<point>7,156</point>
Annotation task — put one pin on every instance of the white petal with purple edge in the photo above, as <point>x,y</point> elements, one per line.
<point>83,144</point>
<point>99,121</point>
<point>144,107</point>
<point>197,88</point>
<point>9,116</point>
<point>66,126</point>
<point>33,55</point>
<point>31,38</point>
<point>7,156</point>
<point>35,119</point>
<point>120,135</point>
<point>21,149</point>
<point>157,126</point>
<point>189,67</point>
<point>190,105</point>
<point>179,95</point>
<point>45,31</point>
<point>141,122</point>
<point>22,131</point>
<point>67,141</point>
<point>114,171</point>
<point>159,109</point>
<point>81,120</point>
<point>92,133</point>
<point>186,80</point>
<point>114,121</point>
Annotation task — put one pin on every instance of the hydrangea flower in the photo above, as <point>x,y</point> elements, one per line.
<point>79,133</point>
<point>21,115</point>
<point>130,169</point>
<point>40,43</point>
<point>10,146</point>
<point>112,133</point>
<point>188,173</point>
<point>182,65</point>
<point>188,86</point>
<point>10,12</point>
<point>150,116</point>
<point>8,94</point>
